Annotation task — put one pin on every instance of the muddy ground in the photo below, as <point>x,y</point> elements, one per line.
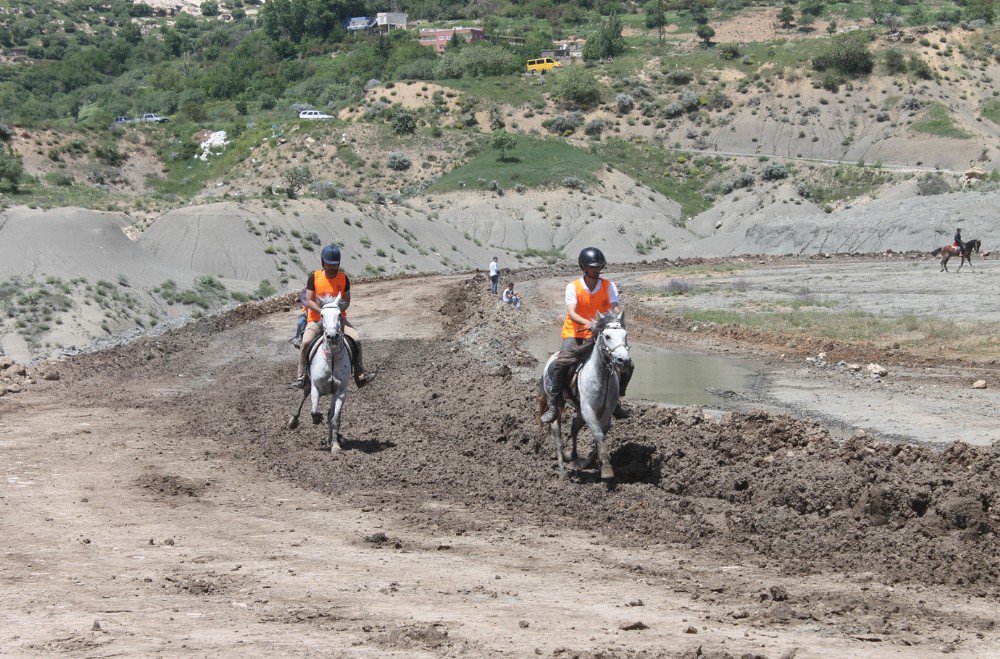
<point>154,502</point>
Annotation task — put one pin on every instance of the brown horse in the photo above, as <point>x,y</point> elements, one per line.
<point>949,251</point>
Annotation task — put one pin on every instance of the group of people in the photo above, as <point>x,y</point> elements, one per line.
<point>508,296</point>
<point>585,298</point>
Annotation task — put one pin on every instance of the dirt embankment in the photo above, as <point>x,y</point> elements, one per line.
<point>761,523</point>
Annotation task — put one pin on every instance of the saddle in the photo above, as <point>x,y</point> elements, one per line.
<point>352,350</point>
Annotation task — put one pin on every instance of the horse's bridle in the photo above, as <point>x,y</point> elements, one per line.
<point>606,353</point>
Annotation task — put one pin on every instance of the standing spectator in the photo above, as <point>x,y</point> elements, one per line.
<point>510,297</point>
<point>494,274</point>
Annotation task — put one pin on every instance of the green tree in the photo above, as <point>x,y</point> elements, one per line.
<point>846,53</point>
<point>496,118</point>
<point>575,86</point>
<point>296,177</point>
<point>705,33</point>
<point>656,17</point>
<point>11,167</point>
<point>608,42</point>
<point>831,27</point>
<point>786,16</point>
<point>503,142</point>
<point>209,8</point>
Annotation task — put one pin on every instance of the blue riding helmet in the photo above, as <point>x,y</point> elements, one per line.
<point>331,255</point>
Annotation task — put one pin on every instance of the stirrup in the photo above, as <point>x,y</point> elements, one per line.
<point>551,414</point>
<point>363,378</point>
<point>298,383</point>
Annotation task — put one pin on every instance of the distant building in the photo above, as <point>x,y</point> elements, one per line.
<point>565,53</point>
<point>390,20</point>
<point>438,38</point>
<point>359,23</point>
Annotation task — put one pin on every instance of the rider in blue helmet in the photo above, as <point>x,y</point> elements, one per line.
<point>328,282</point>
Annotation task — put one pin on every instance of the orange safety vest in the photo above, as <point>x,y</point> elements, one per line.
<point>587,305</point>
<point>329,287</point>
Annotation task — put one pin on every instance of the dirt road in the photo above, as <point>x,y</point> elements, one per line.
<point>153,502</point>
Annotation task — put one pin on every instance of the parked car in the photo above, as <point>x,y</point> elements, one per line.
<point>314,114</point>
<point>122,120</point>
<point>152,118</point>
<point>542,65</point>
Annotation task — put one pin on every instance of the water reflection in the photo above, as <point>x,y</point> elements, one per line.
<point>669,376</point>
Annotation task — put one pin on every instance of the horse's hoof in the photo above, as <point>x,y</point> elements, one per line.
<point>293,423</point>
<point>607,473</point>
<point>567,456</point>
<point>336,447</point>
<point>317,418</point>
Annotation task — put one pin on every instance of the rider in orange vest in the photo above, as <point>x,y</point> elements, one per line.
<point>585,297</point>
<point>330,282</point>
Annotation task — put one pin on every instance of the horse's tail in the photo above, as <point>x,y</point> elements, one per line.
<point>542,402</point>
<point>937,252</point>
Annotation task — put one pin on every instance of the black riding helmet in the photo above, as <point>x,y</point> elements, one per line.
<point>592,257</point>
<point>331,255</point>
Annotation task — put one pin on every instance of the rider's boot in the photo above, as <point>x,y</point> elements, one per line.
<point>300,378</point>
<point>621,412</point>
<point>361,376</point>
<point>554,396</point>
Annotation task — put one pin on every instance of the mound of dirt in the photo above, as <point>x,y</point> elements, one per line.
<point>452,427</point>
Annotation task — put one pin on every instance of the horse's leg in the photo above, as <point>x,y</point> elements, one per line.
<point>293,423</point>
<point>944,263</point>
<point>597,428</point>
<point>556,429</point>
<point>336,407</point>
<point>317,418</point>
<point>581,463</point>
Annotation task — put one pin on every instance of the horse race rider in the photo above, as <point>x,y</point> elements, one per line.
<point>959,245</point>
<point>585,298</point>
<point>329,282</point>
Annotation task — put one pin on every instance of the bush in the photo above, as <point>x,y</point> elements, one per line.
<point>11,167</point>
<point>625,103</point>
<point>398,161</point>
<point>690,101</point>
<point>673,110</point>
<point>109,154</point>
<point>846,53</point>
<point>577,87</point>
<point>564,123</point>
<point>774,171</point>
<point>608,42</point>
<point>573,183</point>
<point>6,133</point>
<point>729,51</point>
<point>920,68</point>
<point>477,60</point>
<point>420,69</point>
<point>932,183</point>
<point>595,127</point>
<point>680,77</point>
<point>404,123</point>
<point>895,61</point>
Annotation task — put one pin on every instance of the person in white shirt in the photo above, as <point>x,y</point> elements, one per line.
<point>494,275</point>
<point>510,297</point>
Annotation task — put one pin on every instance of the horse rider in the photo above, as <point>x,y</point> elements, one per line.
<point>328,282</point>
<point>585,298</point>
<point>959,243</point>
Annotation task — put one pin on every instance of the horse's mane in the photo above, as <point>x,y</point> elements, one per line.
<point>601,323</point>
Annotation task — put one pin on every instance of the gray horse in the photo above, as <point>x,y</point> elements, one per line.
<point>329,372</point>
<point>597,389</point>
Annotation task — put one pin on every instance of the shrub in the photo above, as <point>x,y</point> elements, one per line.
<point>595,127</point>
<point>920,68</point>
<point>673,110</point>
<point>895,61</point>
<point>11,167</point>
<point>296,177</point>
<point>690,101</point>
<point>577,87</point>
<point>6,133</point>
<point>679,287</point>
<point>932,183</point>
<point>109,154</point>
<point>398,161</point>
<point>774,171</point>
<point>729,51</point>
<point>496,118</point>
<point>625,103</point>
<point>404,123</point>
<point>477,60</point>
<point>846,53</point>
<point>564,123</point>
<point>680,77</point>
<point>608,42</point>
<point>573,183</point>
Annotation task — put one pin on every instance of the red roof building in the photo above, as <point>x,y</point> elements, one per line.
<point>438,38</point>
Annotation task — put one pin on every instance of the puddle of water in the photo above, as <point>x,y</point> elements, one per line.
<point>668,376</point>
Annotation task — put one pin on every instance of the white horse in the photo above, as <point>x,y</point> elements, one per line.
<point>329,372</point>
<point>597,389</point>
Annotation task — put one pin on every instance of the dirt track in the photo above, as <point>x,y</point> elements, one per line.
<point>154,490</point>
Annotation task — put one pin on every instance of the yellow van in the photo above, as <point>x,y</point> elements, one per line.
<point>542,65</point>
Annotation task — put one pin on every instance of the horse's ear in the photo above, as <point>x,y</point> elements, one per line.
<point>341,303</point>
<point>621,317</point>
